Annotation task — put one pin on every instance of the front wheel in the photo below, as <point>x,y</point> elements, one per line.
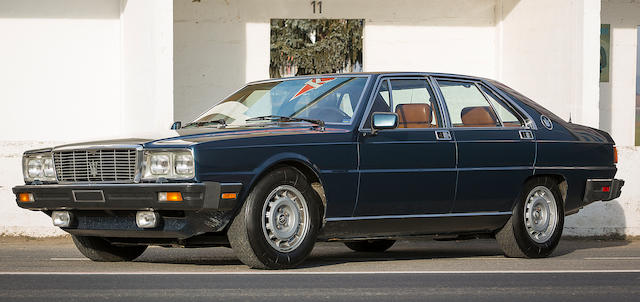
<point>279,222</point>
<point>98,249</point>
<point>535,226</point>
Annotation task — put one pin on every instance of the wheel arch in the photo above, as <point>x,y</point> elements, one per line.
<point>560,181</point>
<point>298,161</point>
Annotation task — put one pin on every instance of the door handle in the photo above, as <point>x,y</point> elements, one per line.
<point>443,135</point>
<point>526,134</point>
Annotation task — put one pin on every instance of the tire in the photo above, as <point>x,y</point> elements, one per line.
<point>261,233</point>
<point>98,249</point>
<point>372,246</point>
<point>533,237</point>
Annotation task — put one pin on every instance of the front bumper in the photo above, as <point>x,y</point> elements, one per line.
<point>140,196</point>
<point>108,210</point>
<point>602,189</point>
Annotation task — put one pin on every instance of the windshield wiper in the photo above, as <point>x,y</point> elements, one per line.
<point>220,122</point>
<point>280,118</point>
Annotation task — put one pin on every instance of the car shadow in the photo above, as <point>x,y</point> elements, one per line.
<point>335,253</point>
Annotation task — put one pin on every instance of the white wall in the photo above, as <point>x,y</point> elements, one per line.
<point>549,52</point>
<point>617,116</point>
<point>617,97</point>
<point>221,45</point>
<point>60,68</point>
<point>78,70</point>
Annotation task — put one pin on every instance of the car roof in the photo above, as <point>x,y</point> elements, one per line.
<point>374,73</point>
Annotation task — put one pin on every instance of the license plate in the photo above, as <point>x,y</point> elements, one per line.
<point>88,196</point>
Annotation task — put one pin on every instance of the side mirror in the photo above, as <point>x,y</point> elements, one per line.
<point>176,125</point>
<point>383,120</point>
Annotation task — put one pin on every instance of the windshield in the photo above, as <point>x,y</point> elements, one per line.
<point>331,100</point>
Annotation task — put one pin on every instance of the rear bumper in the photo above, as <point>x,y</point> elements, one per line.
<point>602,189</point>
<point>141,196</point>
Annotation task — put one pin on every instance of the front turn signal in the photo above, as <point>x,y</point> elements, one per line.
<point>169,196</point>
<point>25,197</point>
<point>229,195</point>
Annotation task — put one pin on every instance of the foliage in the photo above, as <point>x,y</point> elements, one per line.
<point>315,45</point>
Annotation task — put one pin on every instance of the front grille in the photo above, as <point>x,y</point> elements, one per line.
<point>108,165</point>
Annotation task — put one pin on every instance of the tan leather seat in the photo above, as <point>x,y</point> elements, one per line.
<point>481,116</point>
<point>414,116</point>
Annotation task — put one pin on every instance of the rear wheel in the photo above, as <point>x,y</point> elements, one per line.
<point>375,246</point>
<point>535,227</point>
<point>279,222</point>
<point>98,249</point>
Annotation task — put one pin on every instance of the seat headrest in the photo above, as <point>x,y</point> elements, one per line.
<point>414,116</point>
<point>480,116</point>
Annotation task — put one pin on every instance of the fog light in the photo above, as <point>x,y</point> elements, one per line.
<point>147,219</point>
<point>61,218</point>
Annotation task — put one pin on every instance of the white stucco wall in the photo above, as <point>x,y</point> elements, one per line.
<point>617,97</point>
<point>77,71</point>
<point>221,45</point>
<point>549,52</point>
<point>617,116</point>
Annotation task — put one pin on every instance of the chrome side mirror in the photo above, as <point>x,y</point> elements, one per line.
<point>383,120</point>
<point>176,125</point>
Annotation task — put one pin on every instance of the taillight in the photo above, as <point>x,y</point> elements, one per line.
<point>615,155</point>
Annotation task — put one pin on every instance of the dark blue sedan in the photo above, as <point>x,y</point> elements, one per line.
<point>361,158</point>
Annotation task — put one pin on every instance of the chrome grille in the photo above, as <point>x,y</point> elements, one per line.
<point>105,165</point>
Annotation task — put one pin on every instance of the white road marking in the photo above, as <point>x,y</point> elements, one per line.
<point>327,272</point>
<point>612,258</point>
<point>69,259</point>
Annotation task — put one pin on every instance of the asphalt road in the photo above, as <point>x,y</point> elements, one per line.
<point>474,270</point>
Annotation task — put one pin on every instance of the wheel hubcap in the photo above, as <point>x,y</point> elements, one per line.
<point>540,214</point>
<point>285,218</point>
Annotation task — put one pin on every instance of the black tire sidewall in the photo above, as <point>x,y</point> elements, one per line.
<point>253,211</point>
<point>529,247</point>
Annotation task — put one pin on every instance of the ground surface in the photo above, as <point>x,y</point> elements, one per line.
<point>580,270</point>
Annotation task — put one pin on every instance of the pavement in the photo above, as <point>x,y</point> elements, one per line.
<point>579,270</point>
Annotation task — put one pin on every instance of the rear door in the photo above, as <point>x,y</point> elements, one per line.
<point>496,151</point>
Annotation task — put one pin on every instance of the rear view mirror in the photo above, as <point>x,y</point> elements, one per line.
<point>176,125</point>
<point>383,120</point>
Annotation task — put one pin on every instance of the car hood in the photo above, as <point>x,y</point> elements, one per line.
<point>200,135</point>
<point>190,136</point>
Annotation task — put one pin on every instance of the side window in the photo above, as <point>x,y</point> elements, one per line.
<point>411,99</point>
<point>414,103</point>
<point>467,105</point>
<point>506,114</point>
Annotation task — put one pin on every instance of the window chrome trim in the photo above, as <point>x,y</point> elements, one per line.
<point>529,121</point>
<point>399,76</point>
<point>486,98</point>
<point>516,112</point>
<point>445,215</point>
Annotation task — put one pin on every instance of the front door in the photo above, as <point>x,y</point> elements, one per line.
<point>496,150</point>
<point>411,169</point>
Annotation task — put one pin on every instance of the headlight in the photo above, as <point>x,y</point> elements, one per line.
<point>169,164</point>
<point>184,164</point>
<point>38,166</point>
<point>159,164</point>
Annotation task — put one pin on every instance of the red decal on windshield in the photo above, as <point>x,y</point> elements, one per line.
<point>312,84</point>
